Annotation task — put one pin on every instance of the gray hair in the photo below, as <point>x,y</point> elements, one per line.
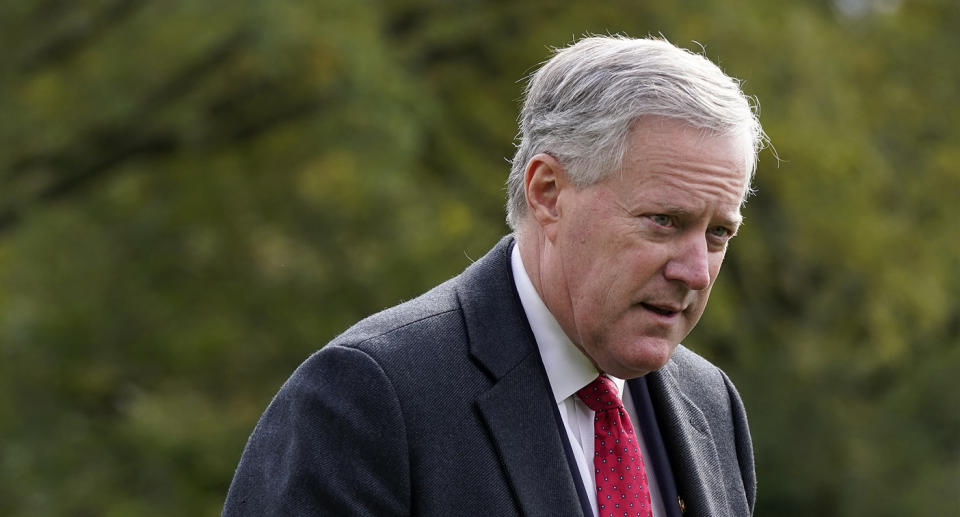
<point>580,106</point>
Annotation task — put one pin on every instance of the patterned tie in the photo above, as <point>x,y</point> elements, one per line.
<point>621,480</point>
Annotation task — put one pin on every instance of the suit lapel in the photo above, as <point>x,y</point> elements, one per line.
<point>517,408</point>
<point>690,444</point>
<point>521,423</point>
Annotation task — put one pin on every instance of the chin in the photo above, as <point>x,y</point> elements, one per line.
<point>653,358</point>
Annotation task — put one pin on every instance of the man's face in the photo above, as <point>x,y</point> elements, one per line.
<point>632,258</point>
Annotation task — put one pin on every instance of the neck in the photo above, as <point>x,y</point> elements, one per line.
<point>530,242</point>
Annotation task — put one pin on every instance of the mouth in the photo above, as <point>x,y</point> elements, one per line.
<point>662,310</point>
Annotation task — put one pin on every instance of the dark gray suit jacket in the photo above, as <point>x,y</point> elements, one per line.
<point>441,407</point>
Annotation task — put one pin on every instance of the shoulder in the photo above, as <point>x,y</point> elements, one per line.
<point>435,312</point>
<point>697,377</point>
<point>709,394</point>
<point>712,405</point>
<point>435,324</point>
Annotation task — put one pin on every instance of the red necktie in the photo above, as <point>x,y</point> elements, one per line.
<point>618,464</point>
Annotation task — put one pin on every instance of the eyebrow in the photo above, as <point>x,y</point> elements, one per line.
<point>677,211</point>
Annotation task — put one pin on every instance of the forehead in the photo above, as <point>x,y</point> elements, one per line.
<point>676,160</point>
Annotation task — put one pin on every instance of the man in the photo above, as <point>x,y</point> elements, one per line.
<point>501,392</point>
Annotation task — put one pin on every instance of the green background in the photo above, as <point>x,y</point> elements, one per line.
<point>194,195</point>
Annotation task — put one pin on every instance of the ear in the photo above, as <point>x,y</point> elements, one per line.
<point>543,181</point>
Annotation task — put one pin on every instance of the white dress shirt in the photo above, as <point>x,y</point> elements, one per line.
<point>569,370</point>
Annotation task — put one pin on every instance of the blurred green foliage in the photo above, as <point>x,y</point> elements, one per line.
<point>196,195</point>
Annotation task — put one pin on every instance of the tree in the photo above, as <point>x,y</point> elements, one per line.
<point>198,195</point>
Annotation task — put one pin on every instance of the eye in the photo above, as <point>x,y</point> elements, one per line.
<point>662,219</point>
<point>721,231</point>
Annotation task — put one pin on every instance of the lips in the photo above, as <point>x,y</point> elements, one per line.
<point>661,309</point>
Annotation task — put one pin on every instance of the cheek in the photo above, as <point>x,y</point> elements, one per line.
<point>715,265</point>
<point>642,261</point>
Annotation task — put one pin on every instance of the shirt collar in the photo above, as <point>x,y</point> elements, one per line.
<point>568,369</point>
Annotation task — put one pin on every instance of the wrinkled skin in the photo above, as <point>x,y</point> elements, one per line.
<point>626,265</point>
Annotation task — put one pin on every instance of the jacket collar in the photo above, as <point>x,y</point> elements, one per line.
<point>518,408</point>
<point>689,443</point>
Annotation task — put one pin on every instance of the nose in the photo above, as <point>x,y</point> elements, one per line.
<point>690,263</point>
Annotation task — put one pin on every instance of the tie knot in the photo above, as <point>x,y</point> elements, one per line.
<point>600,395</point>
